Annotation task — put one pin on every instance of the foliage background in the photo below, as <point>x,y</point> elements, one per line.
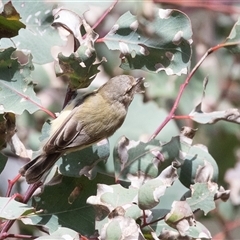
<point>211,24</point>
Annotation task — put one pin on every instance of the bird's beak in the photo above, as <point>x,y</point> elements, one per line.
<point>139,80</point>
<point>138,84</point>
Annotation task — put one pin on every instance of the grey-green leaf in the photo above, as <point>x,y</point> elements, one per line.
<point>16,86</point>
<point>233,40</point>
<point>160,44</point>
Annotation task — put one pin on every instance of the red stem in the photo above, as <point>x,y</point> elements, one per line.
<point>229,226</point>
<point>105,14</point>
<point>11,184</point>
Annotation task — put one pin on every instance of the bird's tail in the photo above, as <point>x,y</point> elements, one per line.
<point>34,170</point>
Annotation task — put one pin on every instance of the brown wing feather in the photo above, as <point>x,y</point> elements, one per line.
<point>64,135</point>
<point>78,133</point>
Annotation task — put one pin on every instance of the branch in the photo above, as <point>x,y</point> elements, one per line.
<point>184,85</point>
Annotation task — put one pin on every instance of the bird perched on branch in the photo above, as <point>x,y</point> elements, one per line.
<point>84,122</point>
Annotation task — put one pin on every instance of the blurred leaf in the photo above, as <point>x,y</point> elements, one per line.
<point>70,21</point>
<point>232,177</point>
<point>197,115</point>
<point>61,234</point>
<point>234,38</point>
<point>202,197</point>
<point>180,217</point>
<point>198,231</point>
<point>160,44</point>
<point>16,87</point>
<point>77,26</point>
<point>229,115</point>
<point>9,21</point>
<point>56,210</point>
<point>7,128</point>
<point>11,209</point>
<point>121,227</point>
<point>38,37</point>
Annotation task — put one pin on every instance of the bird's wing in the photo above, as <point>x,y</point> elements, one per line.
<point>64,136</point>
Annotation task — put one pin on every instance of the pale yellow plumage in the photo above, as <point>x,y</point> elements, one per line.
<point>84,122</point>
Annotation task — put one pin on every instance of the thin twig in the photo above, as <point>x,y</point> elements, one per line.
<point>11,183</point>
<point>20,236</point>
<point>184,85</point>
<point>105,14</point>
<point>230,226</point>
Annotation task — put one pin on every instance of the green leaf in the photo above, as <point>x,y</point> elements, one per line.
<point>134,129</point>
<point>198,166</point>
<point>162,43</point>
<point>39,36</point>
<point>233,40</point>
<point>7,128</point>
<point>180,216</point>
<point>16,87</point>
<point>82,162</point>
<point>121,227</point>
<point>11,209</point>
<point>202,197</point>
<point>229,115</point>
<point>9,22</point>
<point>109,197</point>
<point>3,161</point>
<point>199,231</point>
<point>56,205</point>
<point>80,67</point>
<point>136,161</point>
<point>150,192</point>
<point>62,233</point>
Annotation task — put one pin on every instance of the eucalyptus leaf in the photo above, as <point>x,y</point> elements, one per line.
<point>9,21</point>
<point>11,209</point>
<point>202,197</point>
<point>16,84</point>
<point>83,162</point>
<point>61,234</point>
<point>39,36</point>
<point>233,40</point>
<point>57,203</point>
<point>162,43</point>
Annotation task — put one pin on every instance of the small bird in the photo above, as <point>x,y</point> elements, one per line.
<point>83,122</point>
